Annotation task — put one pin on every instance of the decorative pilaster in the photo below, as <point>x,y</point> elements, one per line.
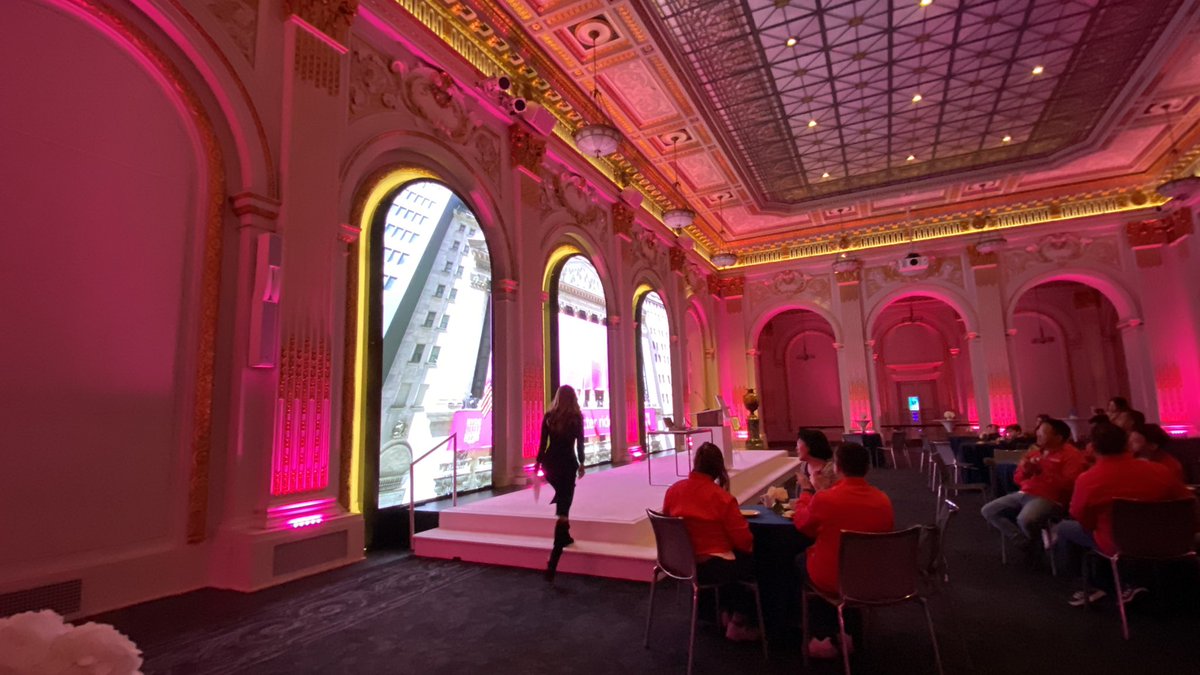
<point>622,221</point>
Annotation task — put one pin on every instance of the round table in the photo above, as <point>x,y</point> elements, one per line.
<point>777,542</point>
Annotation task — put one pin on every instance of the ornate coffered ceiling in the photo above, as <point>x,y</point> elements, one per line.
<point>796,119</point>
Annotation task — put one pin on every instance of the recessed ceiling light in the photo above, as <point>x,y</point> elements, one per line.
<point>825,175</point>
<point>910,158</point>
<point>791,42</point>
<point>916,98</point>
<point>1038,70</point>
<point>926,3</point>
<point>1006,138</point>
<point>812,123</point>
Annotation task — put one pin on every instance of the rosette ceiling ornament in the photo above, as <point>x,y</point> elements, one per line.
<point>597,139</point>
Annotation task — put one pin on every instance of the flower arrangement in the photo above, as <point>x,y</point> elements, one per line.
<point>950,415</point>
<point>41,643</point>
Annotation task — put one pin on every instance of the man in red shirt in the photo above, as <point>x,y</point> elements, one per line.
<point>1116,475</point>
<point>1046,476</point>
<point>1149,442</point>
<point>850,504</point>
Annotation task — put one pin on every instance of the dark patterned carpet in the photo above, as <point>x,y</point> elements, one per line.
<point>398,614</point>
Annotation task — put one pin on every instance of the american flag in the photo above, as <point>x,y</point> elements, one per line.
<point>485,403</point>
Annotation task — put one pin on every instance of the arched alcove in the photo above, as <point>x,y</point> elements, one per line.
<point>656,398</point>
<point>798,376</point>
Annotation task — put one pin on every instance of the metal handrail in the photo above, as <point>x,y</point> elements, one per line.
<point>452,439</point>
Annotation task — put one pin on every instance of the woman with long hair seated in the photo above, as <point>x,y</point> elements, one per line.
<point>719,533</point>
<point>562,428</point>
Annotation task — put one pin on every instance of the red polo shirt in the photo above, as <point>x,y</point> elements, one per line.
<point>714,522</point>
<point>1119,477</point>
<point>1168,460</point>
<point>852,504</point>
<point>1057,474</point>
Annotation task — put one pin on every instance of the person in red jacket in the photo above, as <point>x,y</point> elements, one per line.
<point>719,534</point>
<point>1045,475</point>
<point>1117,475</point>
<point>1149,442</point>
<point>850,504</point>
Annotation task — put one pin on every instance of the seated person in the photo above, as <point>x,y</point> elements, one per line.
<point>850,504</point>
<point>816,462</point>
<point>1149,442</point>
<point>990,433</point>
<point>1045,476</point>
<point>1012,438</point>
<point>1117,475</point>
<point>719,533</point>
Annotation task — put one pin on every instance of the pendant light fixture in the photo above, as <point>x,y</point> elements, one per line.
<point>723,258</point>
<point>681,217</point>
<point>601,138</point>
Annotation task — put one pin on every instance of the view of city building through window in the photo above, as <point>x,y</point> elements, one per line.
<point>437,347</point>
<point>657,404</point>
<point>583,352</point>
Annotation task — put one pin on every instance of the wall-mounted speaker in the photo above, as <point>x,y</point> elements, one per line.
<point>264,305</point>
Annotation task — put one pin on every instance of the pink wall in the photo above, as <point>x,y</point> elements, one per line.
<point>798,392</point>
<point>1085,364</point>
<point>100,182</point>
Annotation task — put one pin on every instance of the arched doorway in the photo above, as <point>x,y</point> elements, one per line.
<point>655,386</point>
<point>577,327</point>
<point>798,376</point>
<point>697,357</point>
<point>431,265</point>
<point>1067,353</point>
<point>922,366</point>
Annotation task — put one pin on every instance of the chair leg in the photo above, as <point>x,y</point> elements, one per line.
<point>692,630</point>
<point>937,654</point>
<point>717,605</point>
<point>1120,598</point>
<point>1049,548</point>
<point>804,625</point>
<point>762,625</point>
<point>650,612</point>
<point>842,638</point>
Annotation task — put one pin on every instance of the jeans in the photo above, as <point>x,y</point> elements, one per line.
<point>1073,543</point>
<point>725,573</point>
<point>1019,516</point>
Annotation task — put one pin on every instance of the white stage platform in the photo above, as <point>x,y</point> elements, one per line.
<point>608,520</point>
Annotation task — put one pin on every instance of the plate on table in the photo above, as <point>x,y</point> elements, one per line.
<point>749,513</point>
<point>788,513</point>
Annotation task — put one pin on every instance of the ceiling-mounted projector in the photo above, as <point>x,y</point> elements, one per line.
<point>912,264</point>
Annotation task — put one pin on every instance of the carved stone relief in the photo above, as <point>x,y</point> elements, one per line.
<point>568,191</point>
<point>432,95</point>
<point>695,278</point>
<point>239,18</point>
<point>648,248</point>
<point>331,17</point>
<point>790,284</point>
<point>1061,249</point>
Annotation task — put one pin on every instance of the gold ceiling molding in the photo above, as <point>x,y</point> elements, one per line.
<point>462,26</point>
<point>954,225</point>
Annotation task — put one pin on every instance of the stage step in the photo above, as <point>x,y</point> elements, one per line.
<point>602,559</point>
<point>608,519</point>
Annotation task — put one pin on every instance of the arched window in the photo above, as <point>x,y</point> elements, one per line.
<point>654,372</point>
<point>579,349</point>
<point>436,357</point>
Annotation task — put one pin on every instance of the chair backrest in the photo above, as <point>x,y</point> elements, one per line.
<point>676,556</point>
<point>944,451</point>
<point>933,538</point>
<point>899,441</point>
<point>879,568</point>
<point>1007,456</point>
<point>1154,529</point>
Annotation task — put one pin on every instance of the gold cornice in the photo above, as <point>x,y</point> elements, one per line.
<point>951,225</point>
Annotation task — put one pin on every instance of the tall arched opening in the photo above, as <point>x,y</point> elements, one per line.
<point>922,366</point>
<point>577,348</point>
<point>1067,352</point>
<point>656,400</point>
<point>798,376</point>
<point>430,291</point>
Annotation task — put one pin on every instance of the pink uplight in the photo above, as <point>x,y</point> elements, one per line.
<point>306,521</point>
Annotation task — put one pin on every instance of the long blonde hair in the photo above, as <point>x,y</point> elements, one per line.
<point>564,415</point>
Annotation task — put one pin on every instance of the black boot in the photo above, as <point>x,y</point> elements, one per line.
<point>562,537</point>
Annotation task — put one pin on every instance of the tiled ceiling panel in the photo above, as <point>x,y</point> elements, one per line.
<point>817,98</point>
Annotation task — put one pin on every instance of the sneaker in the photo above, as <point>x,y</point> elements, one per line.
<point>822,649</point>
<point>1079,600</point>
<point>739,633</point>
<point>1130,593</point>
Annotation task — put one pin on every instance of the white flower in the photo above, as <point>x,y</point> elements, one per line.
<point>39,643</point>
<point>25,640</point>
<point>779,494</point>
<point>950,414</point>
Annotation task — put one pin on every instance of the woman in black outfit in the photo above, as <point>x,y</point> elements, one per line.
<point>562,427</point>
